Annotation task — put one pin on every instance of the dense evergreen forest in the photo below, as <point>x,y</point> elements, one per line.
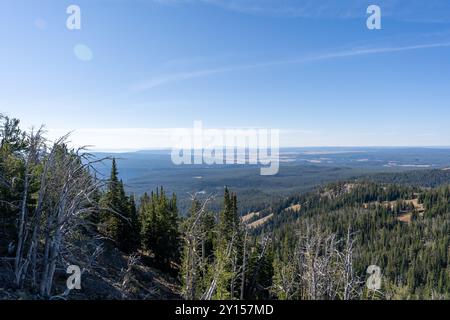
<point>403,230</point>
<point>56,211</point>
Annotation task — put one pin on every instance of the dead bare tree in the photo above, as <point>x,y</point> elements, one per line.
<point>324,269</point>
<point>127,274</point>
<point>244,266</point>
<point>72,201</point>
<point>351,283</point>
<point>316,263</point>
<point>31,158</point>
<point>194,238</point>
<point>236,260</point>
<point>64,201</point>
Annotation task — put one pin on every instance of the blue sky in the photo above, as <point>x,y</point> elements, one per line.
<point>309,68</point>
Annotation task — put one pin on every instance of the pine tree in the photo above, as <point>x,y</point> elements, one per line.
<point>12,169</point>
<point>160,227</point>
<point>229,248</point>
<point>119,214</point>
<point>130,229</point>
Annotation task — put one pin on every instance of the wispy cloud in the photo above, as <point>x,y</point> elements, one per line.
<point>159,81</point>
<point>176,77</point>
<point>412,10</point>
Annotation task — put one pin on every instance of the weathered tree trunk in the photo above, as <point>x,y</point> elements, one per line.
<point>63,202</point>
<point>18,266</point>
<point>244,267</point>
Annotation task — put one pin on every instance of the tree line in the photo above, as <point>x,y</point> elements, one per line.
<point>56,211</point>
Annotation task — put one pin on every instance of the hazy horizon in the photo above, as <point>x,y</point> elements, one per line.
<point>313,70</point>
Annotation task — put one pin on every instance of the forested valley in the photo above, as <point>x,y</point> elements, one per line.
<point>57,211</point>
